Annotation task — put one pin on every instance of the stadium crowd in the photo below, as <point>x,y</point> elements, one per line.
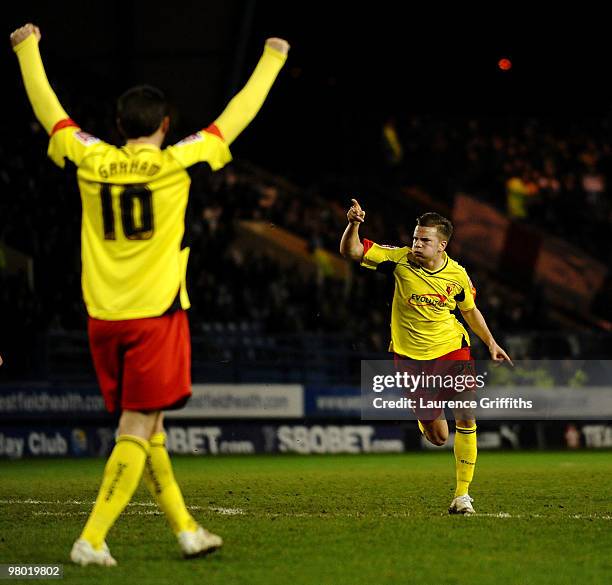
<point>551,173</point>
<point>534,171</point>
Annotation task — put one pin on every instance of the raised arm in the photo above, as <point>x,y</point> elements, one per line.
<point>350,244</point>
<point>246,103</point>
<point>45,104</point>
<point>478,325</point>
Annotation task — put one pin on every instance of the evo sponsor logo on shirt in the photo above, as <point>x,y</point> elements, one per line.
<point>431,300</point>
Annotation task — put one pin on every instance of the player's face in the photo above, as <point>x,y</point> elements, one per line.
<point>427,243</point>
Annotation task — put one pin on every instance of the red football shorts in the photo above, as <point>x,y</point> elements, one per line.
<point>458,362</point>
<point>142,364</point>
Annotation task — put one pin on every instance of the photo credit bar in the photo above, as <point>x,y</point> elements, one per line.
<point>404,389</point>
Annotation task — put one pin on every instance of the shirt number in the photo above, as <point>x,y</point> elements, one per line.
<point>136,204</point>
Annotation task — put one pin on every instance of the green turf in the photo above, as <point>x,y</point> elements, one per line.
<point>337,520</point>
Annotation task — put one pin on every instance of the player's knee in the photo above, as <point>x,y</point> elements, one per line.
<point>139,424</point>
<point>437,440</point>
<point>437,437</point>
<point>436,432</point>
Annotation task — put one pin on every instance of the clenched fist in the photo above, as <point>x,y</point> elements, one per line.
<point>22,33</point>
<point>281,45</point>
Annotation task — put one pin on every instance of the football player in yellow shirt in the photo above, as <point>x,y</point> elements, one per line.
<point>134,265</point>
<point>424,332</point>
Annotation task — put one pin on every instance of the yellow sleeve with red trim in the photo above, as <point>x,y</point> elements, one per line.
<point>246,103</point>
<point>467,302</point>
<point>375,254</point>
<point>203,146</point>
<point>46,106</point>
<point>68,141</point>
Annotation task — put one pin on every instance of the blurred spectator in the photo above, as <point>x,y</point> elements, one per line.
<point>520,189</point>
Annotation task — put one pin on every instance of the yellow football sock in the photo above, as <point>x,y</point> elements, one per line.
<point>466,450</point>
<point>121,478</point>
<point>159,478</point>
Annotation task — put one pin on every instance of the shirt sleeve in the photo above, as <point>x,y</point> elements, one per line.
<point>68,141</point>
<point>465,299</point>
<point>203,146</point>
<point>374,255</point>
<point>46,106</point>
<point>245,105</point>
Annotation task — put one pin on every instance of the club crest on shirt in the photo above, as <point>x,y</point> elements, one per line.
<point>197,137</point>
<point>86,138</point>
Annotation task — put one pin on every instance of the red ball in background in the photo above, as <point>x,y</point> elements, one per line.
<point>504,64</point>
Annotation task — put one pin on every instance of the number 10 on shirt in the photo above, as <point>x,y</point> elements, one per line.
<point>136,208</point>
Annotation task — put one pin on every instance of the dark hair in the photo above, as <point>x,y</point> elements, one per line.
<point>432,219</point>
<point>140,111</point>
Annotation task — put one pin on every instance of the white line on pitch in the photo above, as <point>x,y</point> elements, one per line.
<point>32,502</point>
<point>228,511</point>
<point>240,511</point>
<point>572,516</point>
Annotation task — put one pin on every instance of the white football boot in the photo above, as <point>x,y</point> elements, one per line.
<point>83,554</point>
<point>198,543</point>
<point>462,505</point>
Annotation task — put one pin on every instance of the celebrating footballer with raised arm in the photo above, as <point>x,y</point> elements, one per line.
<point>424,332</point>
<point>134,266</point>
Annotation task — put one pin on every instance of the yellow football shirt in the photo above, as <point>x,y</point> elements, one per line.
<point>422,325</point>
<point>133,220</point>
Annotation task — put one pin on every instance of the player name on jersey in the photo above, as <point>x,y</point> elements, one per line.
<point>134,167</point>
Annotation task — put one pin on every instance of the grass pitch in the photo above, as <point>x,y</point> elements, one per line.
<point>543,518</point>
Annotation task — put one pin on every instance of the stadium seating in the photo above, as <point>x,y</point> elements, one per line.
<point>248,308</point>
